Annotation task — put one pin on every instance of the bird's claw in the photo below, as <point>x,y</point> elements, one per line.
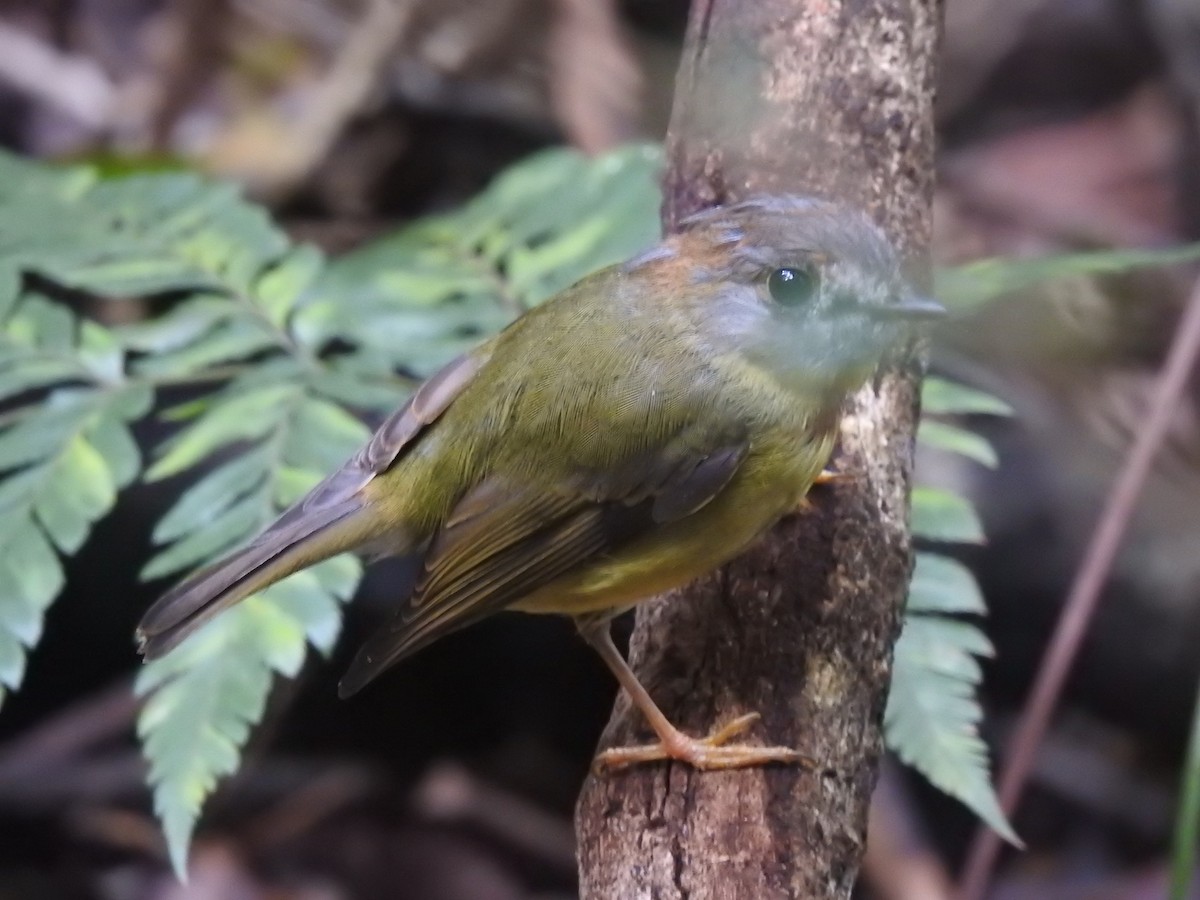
<point>709,753</point>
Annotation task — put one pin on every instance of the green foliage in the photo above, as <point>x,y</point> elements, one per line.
<point>66,452</point>
<point>236,283</point>
<point>942,515</point>
<point>426,293</point>
<point>281,353</point>
<point>933,714</point>
<point>249,320</point>
<point>968,286</point>
<point>204,697</point>
<point>940,397</point>
<point>1187,819</point>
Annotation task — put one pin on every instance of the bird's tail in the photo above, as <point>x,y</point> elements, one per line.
<point>300,538</point>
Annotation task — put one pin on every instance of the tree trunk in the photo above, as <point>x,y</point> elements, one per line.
<point>831,98</point>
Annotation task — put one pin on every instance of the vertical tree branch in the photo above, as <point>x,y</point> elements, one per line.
<point>832,98</point>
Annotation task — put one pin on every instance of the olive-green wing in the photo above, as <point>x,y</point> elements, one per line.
<point>503,541</point>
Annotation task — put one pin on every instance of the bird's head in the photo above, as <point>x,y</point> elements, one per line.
<point>806,289</point>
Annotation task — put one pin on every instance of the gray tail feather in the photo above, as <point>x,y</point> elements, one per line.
<point>284,548</point>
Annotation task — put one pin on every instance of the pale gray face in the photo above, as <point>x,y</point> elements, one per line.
<point>808,288</point>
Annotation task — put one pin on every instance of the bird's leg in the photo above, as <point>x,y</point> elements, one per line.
<point>712,752</point>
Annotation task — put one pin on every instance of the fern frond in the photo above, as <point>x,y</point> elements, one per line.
<point>65,451</point>
<point>433,289</point>
<point>207,694</point>
<point>933,714</point>
<point>973,284</point>
<point>409,302</point>
<point>932,719</point>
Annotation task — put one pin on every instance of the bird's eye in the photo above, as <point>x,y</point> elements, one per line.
<point>792,285</point>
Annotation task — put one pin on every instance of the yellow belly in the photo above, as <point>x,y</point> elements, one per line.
<point>768,487</point>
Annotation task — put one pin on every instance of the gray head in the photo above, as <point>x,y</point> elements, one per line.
<point>806,287</point>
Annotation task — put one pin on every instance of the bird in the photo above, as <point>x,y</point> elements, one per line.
<point>632,433</point>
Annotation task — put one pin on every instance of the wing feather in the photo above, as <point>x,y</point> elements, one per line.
<point>503,542</point>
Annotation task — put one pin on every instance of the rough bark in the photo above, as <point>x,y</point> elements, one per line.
<point>832,98</point>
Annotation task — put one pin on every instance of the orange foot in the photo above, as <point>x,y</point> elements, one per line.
<point>710,753</point>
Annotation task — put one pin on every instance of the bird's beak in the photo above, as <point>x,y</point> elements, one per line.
<point>911,308</point>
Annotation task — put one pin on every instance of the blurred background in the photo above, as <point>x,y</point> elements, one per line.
<point>1064,125</point>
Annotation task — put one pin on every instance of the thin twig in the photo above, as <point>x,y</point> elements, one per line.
<point>448,793</point>
<point>299,811</point>
<point>312,21</point>
<point>69,733</point>
<point>347,87</point>
<point>198,43</point>
<point>74,85</point>
<point>899,863</point>
<point>1085,591</point>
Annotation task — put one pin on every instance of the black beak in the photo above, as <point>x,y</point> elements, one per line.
<point>911,308</point>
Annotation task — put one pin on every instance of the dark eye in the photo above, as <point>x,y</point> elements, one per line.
<point>792,286</point>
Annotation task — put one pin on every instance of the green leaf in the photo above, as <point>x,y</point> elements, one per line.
<point>112,440</point>
<point>429,291</point>
<point>953,439</point>
<point>63,455</point>
<point>100,352</point>
<point>207,693</point>
<point>85,491</point>
<point>181,326</point>
<point>973,284</point>
<point>1187,820</point>
<point>12,661</point>
<point>10,288</point>
<point>938,395</point>
<point>34,565</point>
<point>231,526</point>
<point>363,381</point>
<point>20,614</point>
<point>932,716</point>
<point>20,373</point>
<point>325,435</point>
<point>204,697</point>
<point>245,417</point>
<point>285,284</point>
<point>50,505</point>
<point>213,494</point>
<point>314,609</point>
<point>33,438</point>
<point>339,576</point>
<point>45,324</point>
<point>230,340</point>
<point>141,235</point>
<point>943,585</point>
<point>941,515</point>
<point>202,700</point>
